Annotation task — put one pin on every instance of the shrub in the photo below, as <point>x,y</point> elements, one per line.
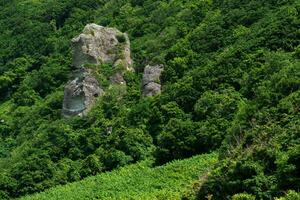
<point>243,196</point>
<point>290,195</point>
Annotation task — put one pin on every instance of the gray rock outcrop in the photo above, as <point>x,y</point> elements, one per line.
<point>151,80</point>
<point>117,78</point>
<point>96,45</point>
<point>81,93</point>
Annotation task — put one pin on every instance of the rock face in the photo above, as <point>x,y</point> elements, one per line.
<point>80,93</point>
<point>117,79</point>
<point>96,45</point>
<point>151,80</point>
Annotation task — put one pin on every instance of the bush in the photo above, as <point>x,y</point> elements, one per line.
<point>290,195</point>
<point>243,196</point>
<point>121,38</point>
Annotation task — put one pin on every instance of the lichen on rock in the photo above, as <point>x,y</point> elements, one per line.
<point>95,45</point>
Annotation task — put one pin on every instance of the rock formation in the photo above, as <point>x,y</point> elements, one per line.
<point>151,80</point>
<point>96,45</point>
<point>80,93</point>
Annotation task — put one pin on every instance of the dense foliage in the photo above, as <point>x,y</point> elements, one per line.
<point>231,82</point>
<point>142,182</point>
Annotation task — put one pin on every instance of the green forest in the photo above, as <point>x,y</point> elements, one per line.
<point>226,125</point>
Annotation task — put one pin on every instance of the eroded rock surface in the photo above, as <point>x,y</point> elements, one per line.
<point>117,78</point>
<point>151,80</point>
<point>81,93</point>
<point>96,45</point>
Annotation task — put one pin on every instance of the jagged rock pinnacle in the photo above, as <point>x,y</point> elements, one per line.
<point>96,45</point>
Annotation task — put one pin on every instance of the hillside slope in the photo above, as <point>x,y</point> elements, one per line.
<point>230,83</point>
<point>137,181</point>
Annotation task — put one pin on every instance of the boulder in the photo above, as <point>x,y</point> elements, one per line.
<point>151,80</point>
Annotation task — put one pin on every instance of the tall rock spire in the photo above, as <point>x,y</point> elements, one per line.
<point>96,45</point>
